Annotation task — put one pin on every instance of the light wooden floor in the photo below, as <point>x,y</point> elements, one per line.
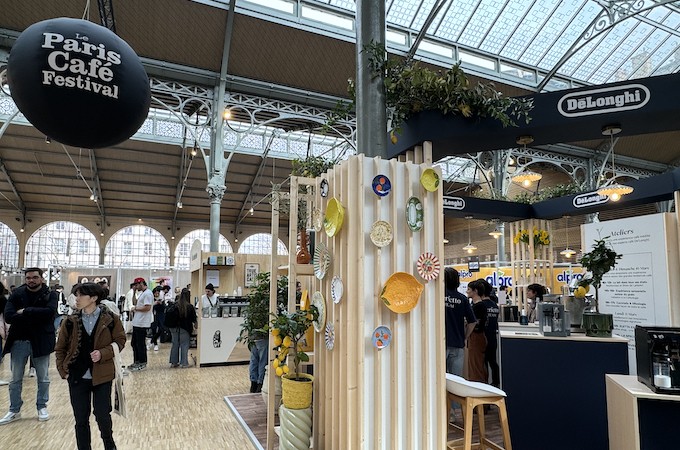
<point>169,409</point>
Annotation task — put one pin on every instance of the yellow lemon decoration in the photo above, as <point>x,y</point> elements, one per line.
<point>278,341</point>
<point>279,371</point>
<point>287,342</point>
<point>285,369</point>
<point>275,331</point>
<point>276,363</point>
<point>580,292</point>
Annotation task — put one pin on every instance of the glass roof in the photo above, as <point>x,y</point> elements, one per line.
<point>527,39</point>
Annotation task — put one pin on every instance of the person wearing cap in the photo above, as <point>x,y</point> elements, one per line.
<point>141,321</point>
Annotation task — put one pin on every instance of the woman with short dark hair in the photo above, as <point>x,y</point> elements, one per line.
<point>477,341</point>
<point>84,357</point>
<point>535,293</point>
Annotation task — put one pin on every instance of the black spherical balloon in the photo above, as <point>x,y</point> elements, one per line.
<point>78,83</point>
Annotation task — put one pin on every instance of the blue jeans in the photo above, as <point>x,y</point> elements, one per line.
<point>180,346</point>
<point>455,359</point>
<point>21,350</point>
<point>258,360</point>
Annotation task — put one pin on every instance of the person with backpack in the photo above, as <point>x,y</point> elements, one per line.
<point>180,318</point>
<point>84,356</point>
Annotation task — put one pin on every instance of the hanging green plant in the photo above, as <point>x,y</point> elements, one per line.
<point>411,88</point>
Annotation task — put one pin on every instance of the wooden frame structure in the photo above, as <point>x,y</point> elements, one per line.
<point>365,398</point>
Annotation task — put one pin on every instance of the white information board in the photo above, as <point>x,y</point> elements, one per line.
<point>640,289</point>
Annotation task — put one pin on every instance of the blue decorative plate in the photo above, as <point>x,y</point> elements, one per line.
<point>382,336</point>
<point>381,185</point>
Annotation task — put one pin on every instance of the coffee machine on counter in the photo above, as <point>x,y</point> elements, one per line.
<point>657,351</point>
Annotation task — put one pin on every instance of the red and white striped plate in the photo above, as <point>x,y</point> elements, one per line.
<point>428,266</point>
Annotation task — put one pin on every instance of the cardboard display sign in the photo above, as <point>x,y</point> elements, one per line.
<point>78,83</point>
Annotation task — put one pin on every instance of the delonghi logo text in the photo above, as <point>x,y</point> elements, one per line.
<point>605,100</point>
<point>454,203</point>
<point>589,199</point>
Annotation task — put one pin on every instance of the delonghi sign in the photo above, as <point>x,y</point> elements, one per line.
<point>589,199</point>
<point>454,203</point>
<point>603,100</point>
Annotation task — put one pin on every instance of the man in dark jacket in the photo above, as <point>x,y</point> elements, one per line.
<point>30,311</point>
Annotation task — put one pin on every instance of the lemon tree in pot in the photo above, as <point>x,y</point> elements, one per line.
<point>288,329</point>
<point>600,260</point>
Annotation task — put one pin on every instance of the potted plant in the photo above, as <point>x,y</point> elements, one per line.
<point>600,260</point>
<point>255,327</point>
<point>288,329</point>
<point>311,167</point>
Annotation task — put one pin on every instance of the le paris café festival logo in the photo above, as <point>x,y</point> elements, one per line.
<point>78,83</point>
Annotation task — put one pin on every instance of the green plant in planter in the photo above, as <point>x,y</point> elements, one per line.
<point>256,314</point>
<point>600,260</point>
<point>288,329</point>
<point>411,87</point>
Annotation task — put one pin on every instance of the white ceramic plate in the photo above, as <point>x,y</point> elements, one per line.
<point>330,336</point>
<point>337,289</point>
<point>320,303</point>
<point>322,260</point>
<point>381,233</point>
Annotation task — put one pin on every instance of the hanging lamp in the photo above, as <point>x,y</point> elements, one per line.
<point>612,189</point>
<point>525,177</point>
<point>469,247</point>
<point>567,252</point>
<point>496,233</point>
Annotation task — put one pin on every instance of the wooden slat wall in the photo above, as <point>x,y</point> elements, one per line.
<point>393,398</point>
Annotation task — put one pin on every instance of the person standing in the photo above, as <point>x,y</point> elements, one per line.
<point>157,326</point>
<point>460,321</point>
<point>141,321</point>
<point>535,293</point>
<point>476,368</point>
<point>209,299</point>
<point>84,357</point>
<point>491,333</point>
<point>185,315</point>
<point>30,311</point>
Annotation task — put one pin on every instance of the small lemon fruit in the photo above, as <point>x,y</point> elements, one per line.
<point>275,331</point>
<point>285,369</point>
<point>287,342</point>
<point>279,371</point>
<point>276,363</point>
<point>580,292</point>
<point>277,341</point>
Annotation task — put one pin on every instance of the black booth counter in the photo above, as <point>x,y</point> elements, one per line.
<point>556,388</point>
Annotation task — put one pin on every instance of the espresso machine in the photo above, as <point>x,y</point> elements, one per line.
<point>657,351</point>
<point>553,320</point>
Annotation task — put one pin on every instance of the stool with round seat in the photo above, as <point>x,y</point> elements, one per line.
<point>473,395</point>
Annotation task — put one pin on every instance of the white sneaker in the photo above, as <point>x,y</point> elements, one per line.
<point>10,417</point>
<point>155,348</point>
<point>42,415</point>
<point>31,373</point>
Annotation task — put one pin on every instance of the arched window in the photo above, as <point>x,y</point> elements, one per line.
<point>137,246</point>
<point>9,247</point>
<point>62,243</point>
<point>261,244</point>
<point>184,246</point>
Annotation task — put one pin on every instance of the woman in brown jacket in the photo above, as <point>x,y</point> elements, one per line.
<point>84,356</point>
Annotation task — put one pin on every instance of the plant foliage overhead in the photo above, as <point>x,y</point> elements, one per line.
<point>410,88</point>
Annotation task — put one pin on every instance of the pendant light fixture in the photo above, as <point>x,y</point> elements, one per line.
<point>567,252</point>
<point>525,177</point>
<point>612,189</point>
<point>469,247</point>
<point>496,233</point>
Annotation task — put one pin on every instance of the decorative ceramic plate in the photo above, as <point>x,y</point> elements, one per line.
<point>330,336</point>
<point>324,187</point>
<point>401,292</point>
<point>428,266</point>
<point>335,215</point>
<point>382,336</point>
<point>381,233</point>
<point>337,289</point>
<point>430,180</point>
<point>414,214</point>
<point>381,185</point>
<point>320,303</point>
<point>317,219</point>
<point>321,261</point>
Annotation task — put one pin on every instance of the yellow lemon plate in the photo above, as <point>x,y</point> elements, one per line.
<point>335,215</point>
<point>430,180</point>
<point>401,292</point>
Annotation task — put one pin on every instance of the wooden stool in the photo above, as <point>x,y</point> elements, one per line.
<point>472,395</point>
